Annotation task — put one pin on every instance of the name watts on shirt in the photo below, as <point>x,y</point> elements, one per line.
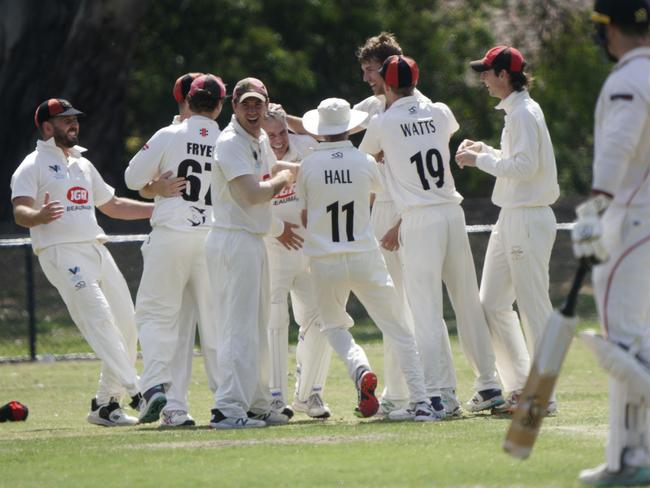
<point>419,128</point>
<point>333,176</point>
<point>199,149</point>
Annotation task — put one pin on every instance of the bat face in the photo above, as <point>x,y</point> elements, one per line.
<point>533,401</point>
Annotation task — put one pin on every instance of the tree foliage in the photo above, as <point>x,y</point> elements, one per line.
<point>118,60</point>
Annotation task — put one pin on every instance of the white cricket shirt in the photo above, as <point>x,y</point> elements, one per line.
<point>239,153</point>
<point>186,149</point>
<point>622,131</point>
<point>375,105</point>
<point>414,136</point>
<point>285,206</point>
<point>526,175</point>
<point>73,181</point>
<point>334,185</point>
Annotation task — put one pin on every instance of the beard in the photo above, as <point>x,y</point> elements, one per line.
<point>63,139</point>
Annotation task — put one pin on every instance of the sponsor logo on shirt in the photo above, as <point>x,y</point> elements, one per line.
<point>145,147</point>
<point>203,132</point>
<point>337,155</point>
<point>78,195</point>
<point>198,216</point>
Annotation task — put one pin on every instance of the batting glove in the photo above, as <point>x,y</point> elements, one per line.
<point>587,231</point>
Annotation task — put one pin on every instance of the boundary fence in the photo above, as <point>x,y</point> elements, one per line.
<point>30,301</point>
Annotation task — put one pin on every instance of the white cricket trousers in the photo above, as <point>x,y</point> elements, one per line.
<point>435,248</point>
<point>622,290</point>
<point>516,268</point>
<point>384,216</point>
<point>173,260</point>
<point>239,275</point>
<point>289,274</point>
<point>365,274</point>
<point>100,305</point>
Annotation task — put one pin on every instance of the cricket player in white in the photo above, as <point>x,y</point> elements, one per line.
<point>238,265</point>
<point>519,251</point>
<point>174,251</point>
<point>414,137</point>
<point>385,220</point>
<point>289,273</point>
<point>54,193</point>
<point>176,410</point>
<point>613,228</point>
<point>335,183</point>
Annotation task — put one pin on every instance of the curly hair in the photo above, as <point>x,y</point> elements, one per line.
<point>378,48</point>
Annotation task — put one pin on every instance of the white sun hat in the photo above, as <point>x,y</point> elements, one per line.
<point>333,116</point>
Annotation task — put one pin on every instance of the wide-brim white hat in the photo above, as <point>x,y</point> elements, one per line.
<point>333,116</point>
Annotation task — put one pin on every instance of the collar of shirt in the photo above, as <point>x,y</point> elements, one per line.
<point>50,146</point>
<point>199,117</point>
<point>242,132</point>
<point>176,119</point>
<point>324,146</point>
<point>633,53</point>
<point>511,101</point>
<point>404,101</point>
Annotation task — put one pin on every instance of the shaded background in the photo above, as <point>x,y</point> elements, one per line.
<point>117,61</point>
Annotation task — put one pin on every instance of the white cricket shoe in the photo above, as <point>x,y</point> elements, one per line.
<point>176,418</point>
<point>109,414</point>
<point>627,476</point>
<point>220,421</point>
<point>279,406</point>
<point>269,418</point>
<point>151,404</point>
<point>419,412</point>
<point>450,402</point>
<point>314,407</point>
<point>485,400</point>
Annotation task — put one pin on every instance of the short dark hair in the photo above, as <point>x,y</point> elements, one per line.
<point>379,48</point>
<point>519,80</point>
<point>203,101</point>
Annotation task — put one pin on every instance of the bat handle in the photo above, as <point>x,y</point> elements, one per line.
<point>569,307</point>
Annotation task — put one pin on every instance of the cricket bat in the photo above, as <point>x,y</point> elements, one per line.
<point>550,354</point>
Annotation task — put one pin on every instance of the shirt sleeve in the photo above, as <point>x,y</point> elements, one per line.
<point>24,182</point>
<point>451,119</point>
<point>301,190</point>
<point>145,165</point>
<point>371,143</point>
<point>625,114</point>
<point>235,159</point>
<point>523,161</point>
<point>102,191</point>
<point>377,180</point>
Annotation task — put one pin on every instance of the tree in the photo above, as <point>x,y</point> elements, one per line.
<point>78,50</point>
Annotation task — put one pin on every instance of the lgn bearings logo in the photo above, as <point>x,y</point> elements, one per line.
<point>78,195</point>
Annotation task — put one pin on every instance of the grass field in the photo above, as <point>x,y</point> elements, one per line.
<point>57,447</point>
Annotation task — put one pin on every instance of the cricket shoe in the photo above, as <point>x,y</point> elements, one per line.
<point>485,400</point>
<point>450,402</point>
<point>109,414</point>
<point>419,412</point>
<point>220,421</point>
<point>314,407</point>
<point>387,406</point>
<point>270,417</point>
<point>627,476</point>
<point>152,402</point>
<point>509,406</point>
<point>279,406</point>
<point>176,418</point>
<point>368,404</point>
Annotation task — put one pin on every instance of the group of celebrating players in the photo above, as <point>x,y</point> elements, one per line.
<point>276,205</point>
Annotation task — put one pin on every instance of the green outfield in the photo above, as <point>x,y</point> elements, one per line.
<point>57,447</point>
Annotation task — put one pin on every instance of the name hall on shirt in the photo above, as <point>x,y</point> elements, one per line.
<point>199,149</point>
<point>419,128</point>
<point>333,176</point>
